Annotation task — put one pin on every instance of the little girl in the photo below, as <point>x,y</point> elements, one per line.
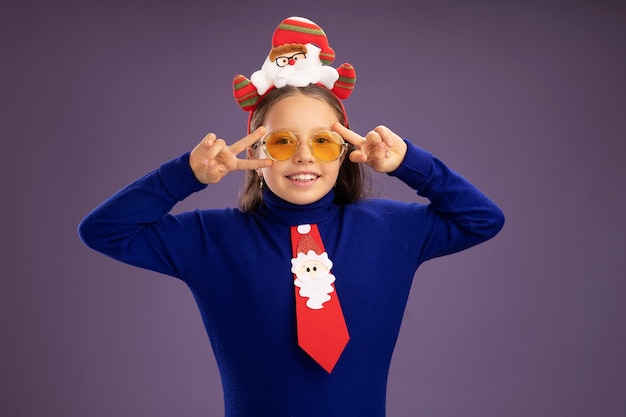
<point>301,289</point>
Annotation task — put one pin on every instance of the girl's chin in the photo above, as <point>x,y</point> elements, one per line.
<point>301,198</point>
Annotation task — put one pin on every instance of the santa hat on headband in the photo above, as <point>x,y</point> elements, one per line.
<point>303,31</point>
<point>300,56</point>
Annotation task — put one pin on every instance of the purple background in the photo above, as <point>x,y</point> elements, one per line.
<point>527,101</point>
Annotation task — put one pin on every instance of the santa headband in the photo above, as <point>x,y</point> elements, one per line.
<point>300,56</point>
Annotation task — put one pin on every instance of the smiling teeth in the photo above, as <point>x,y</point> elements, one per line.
<point>303,177</point>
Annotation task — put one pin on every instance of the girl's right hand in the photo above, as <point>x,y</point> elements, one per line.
<point>212,159</point>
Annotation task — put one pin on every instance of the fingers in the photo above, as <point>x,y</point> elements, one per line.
<point>348,135</point>
<point>251,164</point>
<point>213,158</point>
<point>373,146</point>
<point>212,146</point>
<point>358,141</point>
<point>380,134</point>
<point>208,140</point>
<point>245,143</point>
<point>380,148</point>
<point>198,154</point>
<point>249,140</point>
<point>386,135</point>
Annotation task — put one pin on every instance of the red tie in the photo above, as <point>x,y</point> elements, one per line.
<point>322,331</point>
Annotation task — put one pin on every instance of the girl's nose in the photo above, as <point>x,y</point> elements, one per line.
<point>303,153</point>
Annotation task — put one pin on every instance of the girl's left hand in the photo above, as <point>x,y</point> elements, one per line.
<point>381,149</point>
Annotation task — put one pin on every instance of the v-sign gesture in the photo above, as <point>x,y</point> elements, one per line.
<point>211,160</point>
<point>381,149</point>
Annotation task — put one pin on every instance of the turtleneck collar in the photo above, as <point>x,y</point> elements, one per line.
<point>277,210</point>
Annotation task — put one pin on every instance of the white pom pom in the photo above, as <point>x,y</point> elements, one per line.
<point>303,229</point>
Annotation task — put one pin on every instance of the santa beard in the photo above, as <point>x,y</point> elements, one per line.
<point>316,289</point>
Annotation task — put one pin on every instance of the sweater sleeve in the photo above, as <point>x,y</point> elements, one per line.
<point>459,215</point>
<point>133,225</point>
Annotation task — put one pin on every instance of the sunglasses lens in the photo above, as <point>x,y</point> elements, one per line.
<point>327,146</point>
<point>281,146</point>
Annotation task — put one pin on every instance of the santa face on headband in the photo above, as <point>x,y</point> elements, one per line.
<point>300,56</point>
<point>293,64</point>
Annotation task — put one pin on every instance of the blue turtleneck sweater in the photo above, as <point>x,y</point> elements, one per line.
<point>237,266</point>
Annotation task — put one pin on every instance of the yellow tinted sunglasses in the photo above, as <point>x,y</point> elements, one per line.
<point>325,146</point>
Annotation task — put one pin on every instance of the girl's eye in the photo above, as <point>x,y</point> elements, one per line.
<point>321,140</point>
<point>283,141</point>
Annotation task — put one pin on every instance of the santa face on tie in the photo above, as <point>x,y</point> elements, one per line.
<point>313,277</point>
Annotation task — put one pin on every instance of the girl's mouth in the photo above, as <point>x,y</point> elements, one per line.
<point>303,177</point>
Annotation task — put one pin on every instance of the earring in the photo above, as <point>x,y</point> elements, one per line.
<point>260,182</point>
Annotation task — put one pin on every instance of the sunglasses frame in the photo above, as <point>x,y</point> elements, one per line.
<point>344,145</point>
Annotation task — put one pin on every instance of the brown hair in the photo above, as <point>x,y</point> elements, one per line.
<point>351,178</point>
